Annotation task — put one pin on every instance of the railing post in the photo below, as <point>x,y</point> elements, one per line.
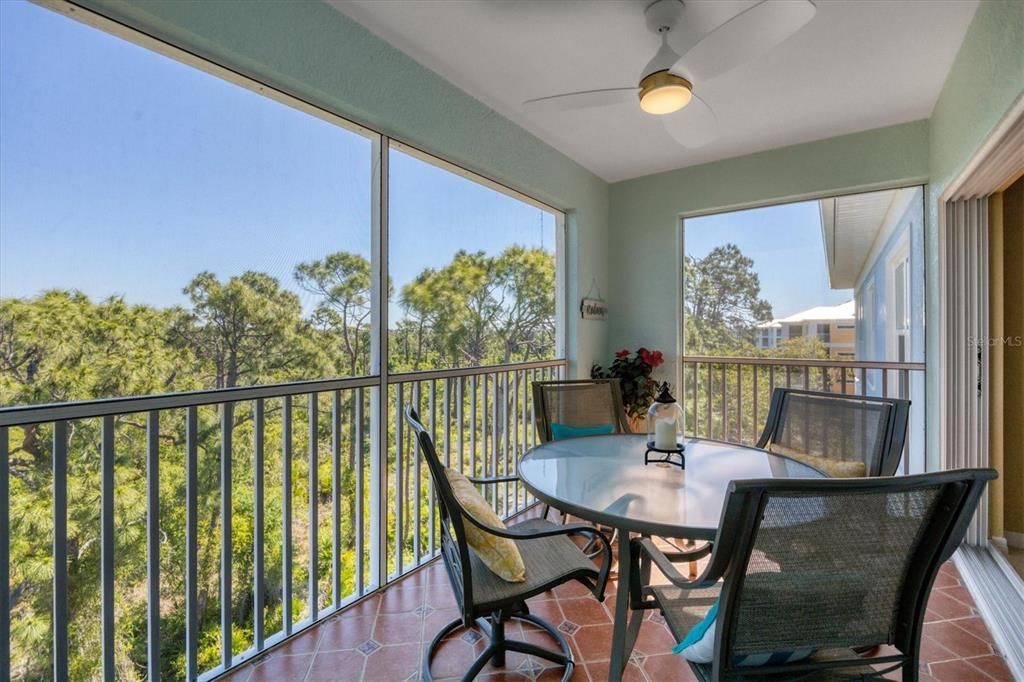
<point>487,466</point>
<point>286,514</point>
<point>313,583</point>
<point>360,473</point>
<point>739,403</point>
<point>107,541</point>
<point>191,544</point>
<point>257,523</point>
<point>399,479</point>
<point>505,439</point>
<point>153,543</point>
<point>336,499</point>
<point>60,551</point>
<point>515,435</point>
<point>227,422</point>
<point>472,425</point>
<point>711,423</point>
<point>430,479</point>
<point>725,406</point>
<point>5,557</point>
<point>459,423</point>
<point>757,403</point>
<point>417,482</point>
<point>494,440</point>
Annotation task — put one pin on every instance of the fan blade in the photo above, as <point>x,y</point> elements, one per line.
<point>747,35</point>
<point>584,99</point>
<point>693,126</point>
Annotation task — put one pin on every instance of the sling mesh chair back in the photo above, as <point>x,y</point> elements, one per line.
<point>588,403</point>
<point>860,559</point>
<point>549,555</point>
<point>578,404</point>
<point>844,435</point>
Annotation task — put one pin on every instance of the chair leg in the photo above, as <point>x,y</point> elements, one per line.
<point>498,640</point>
<point>499,645</point>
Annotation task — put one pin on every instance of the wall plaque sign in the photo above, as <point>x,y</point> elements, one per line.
<point>593,309</point>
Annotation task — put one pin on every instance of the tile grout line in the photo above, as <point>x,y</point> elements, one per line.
<point>316,648</point>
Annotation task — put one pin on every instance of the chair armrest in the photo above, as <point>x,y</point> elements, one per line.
<point>665,565</point>
<point>492,479</point>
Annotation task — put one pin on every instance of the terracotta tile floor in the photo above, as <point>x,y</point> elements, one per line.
<point>383,637</point>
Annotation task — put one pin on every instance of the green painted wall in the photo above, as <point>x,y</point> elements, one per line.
<point>987,76</point>
<point>645,212</point>
<point>314,52</point>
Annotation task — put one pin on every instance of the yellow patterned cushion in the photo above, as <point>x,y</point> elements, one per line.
<point>499,554</point>
<point>835,468</point>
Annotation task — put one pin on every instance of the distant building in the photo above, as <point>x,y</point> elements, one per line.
<point>835,325</point>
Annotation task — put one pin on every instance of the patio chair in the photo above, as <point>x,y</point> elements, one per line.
<point>842,435</point>
<point>577,404</point>
<point>550,556</point>
<point>861,579</point>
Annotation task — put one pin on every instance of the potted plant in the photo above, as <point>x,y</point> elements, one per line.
<point>633,370</point>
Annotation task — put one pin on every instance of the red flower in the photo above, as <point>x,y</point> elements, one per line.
<point>656,358</point>
<point>622,353</point>
<point>645,355</point>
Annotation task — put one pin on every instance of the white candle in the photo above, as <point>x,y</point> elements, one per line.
<point>665,434</point>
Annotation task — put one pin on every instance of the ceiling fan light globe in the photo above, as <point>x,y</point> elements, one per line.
<point>663,93</point>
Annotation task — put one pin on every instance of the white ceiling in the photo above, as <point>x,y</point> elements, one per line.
<point>859,64</point>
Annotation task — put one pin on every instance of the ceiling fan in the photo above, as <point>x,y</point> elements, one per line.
<point>666,87</point>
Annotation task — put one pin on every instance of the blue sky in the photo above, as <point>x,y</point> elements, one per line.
<point>785,243</point>
<point>126,172</point>
<point>123,172</point>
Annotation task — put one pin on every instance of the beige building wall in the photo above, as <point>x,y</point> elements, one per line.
<point>843,337</point>
<point>1006,386</point>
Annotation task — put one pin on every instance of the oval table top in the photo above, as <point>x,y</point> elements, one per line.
<point>603,479</point>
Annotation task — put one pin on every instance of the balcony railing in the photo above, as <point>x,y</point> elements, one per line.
<point>292,446</point>
<point>727,398</point>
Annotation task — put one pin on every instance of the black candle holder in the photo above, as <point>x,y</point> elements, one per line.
<point>673,456</point>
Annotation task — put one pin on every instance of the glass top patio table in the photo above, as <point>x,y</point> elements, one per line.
<point>603,479</point>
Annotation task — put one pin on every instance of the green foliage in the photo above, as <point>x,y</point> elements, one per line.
<point>479,309</point>
<point>722,308</point>
<point>722,301</point>
<point>634,374</point>
<point>246,329</point>
<point>799,347</point>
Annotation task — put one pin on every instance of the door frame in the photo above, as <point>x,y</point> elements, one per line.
<point>964,426</point>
